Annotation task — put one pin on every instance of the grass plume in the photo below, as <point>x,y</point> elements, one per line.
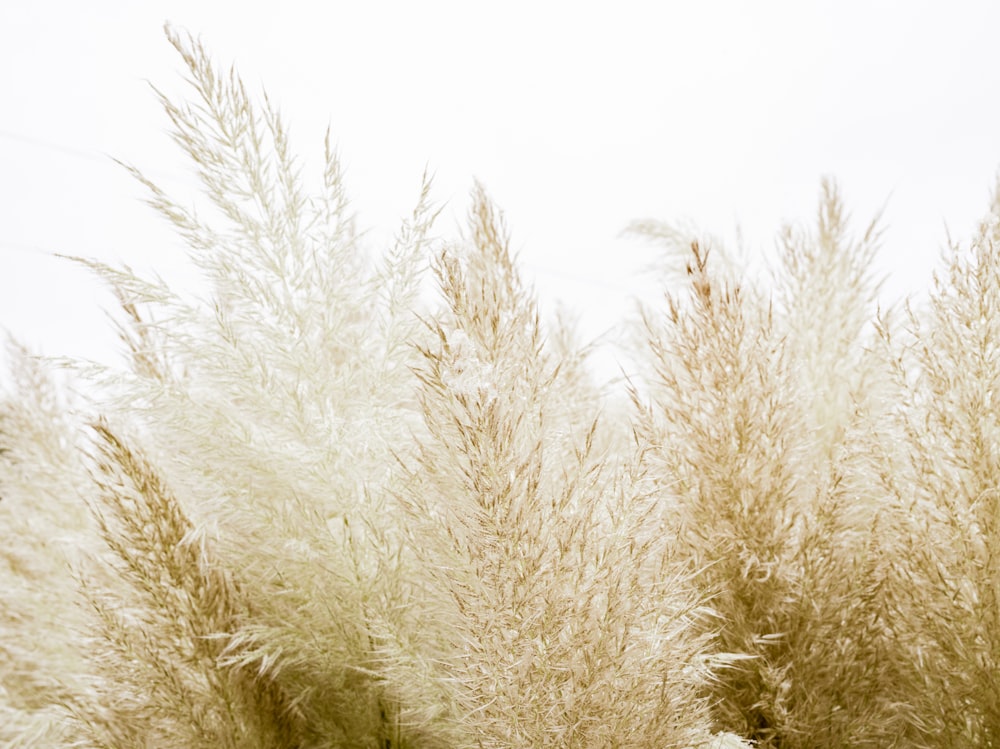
<point>317,508</point>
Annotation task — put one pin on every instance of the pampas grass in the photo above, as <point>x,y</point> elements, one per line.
<point>763,420</point>
<point>946,366</point>
<point>575,627</point>
<point>43,527</point>
<point>319,508</point>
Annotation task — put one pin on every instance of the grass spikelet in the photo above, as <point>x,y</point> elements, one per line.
<point>717,426</point>
<point>282,401</point>
<point>43,527</point>
<point>759,432</point>
<point>572,630</point>
<point>163,626</point>
<point>947,366</point>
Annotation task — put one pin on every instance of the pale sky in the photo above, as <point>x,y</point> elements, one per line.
<point>578,117</point>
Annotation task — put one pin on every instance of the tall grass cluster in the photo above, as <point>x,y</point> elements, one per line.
<point>320,507</point>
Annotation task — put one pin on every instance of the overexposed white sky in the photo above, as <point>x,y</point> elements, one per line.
<point>577,116</point>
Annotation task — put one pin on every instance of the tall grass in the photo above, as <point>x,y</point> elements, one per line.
<point>574,627</point>
<point>44,525</point>
<point>946,363</point>
<point>765,411</point>
<point>319,508</point>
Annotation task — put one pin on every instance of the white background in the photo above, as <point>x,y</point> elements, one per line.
<point>578,118</point>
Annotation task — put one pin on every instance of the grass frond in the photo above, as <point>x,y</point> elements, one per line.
<point>316,508</point>
<point>44,525</point>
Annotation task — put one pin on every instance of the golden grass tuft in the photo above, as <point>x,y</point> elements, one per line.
<point>318,509</point>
